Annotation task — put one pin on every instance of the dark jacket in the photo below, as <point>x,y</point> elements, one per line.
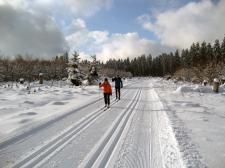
<point>118,82</point>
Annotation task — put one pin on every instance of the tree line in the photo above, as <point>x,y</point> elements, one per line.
<point>29,68</point>
<point>201,60</point>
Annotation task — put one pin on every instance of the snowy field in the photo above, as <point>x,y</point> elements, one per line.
<point>21,109</point>
<point>197,115</point>
<point>157,123</point>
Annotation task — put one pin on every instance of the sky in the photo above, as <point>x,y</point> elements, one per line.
<point>107,28</point>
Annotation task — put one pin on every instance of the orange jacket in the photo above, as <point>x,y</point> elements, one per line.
<point>107,88</point>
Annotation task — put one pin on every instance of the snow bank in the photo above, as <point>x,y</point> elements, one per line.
<point>197,88</point>
<point>197,116</point>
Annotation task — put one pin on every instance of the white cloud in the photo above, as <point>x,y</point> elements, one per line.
<point>99,37</point>
<point>84,56</point>
<point>29,33</point>
<point>83,39</point>
<point>71,7</point>
<point>129,45</point>
<point>75,26</point>
<point>29,26</point>
<point>145,20</point>
<point>196,21</point>
<point>107,46</point>
<point>14,3</point>
<point>61,8</point>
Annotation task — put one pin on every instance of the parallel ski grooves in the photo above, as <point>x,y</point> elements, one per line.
<point>107,144</point>
<point>10,140</point>
<point>61,140</point>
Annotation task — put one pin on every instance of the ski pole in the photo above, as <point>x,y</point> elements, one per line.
<point>98,95</point>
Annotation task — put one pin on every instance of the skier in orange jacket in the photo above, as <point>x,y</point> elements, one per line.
<point>107,90</point>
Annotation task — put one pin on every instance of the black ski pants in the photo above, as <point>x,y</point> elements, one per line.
<point>107,98</point>
<point>117,92</point>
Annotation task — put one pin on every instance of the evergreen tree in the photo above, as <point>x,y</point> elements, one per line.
<point>66,57</point>
<point>209,53</point>
<point>192,54</point>
<point>149,64</point>
<point>223,50</point>
<point>177,59</point>
<point>93,74</point>
<point>197,54</point>
<point>75,58</point>
<point>172,63</point>
<point>203,51</point>
<point>127,64</point>
<point>74,75</point>
<point>217,51</point>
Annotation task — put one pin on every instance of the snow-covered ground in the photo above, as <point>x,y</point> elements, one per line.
<point>197,115</point>
<point>157,123</point>
<point>21,109</point>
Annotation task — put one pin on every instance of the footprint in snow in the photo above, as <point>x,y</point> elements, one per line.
<point>28,114</point>
<point>205,119</point>
<point>59,103</point>
<point>24,121</point>
<point>28,102</point>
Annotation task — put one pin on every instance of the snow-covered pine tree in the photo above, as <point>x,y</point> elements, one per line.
<point>74,75</point>
<point>93,74</point>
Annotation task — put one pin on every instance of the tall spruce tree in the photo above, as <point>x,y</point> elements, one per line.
<point>149,64</point>
<point>223,50</point>
<point>203,50</point>
<point>217,51</point>
<point>192,54</point>
<point>187,59</point>
<point>197,54</point>
<point>209,53</point>
<point>177,59</point>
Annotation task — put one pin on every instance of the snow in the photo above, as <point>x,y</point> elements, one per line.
<point>194,88</point>
<point>197,115</point>
<point>18,109</point>
<point>157,123</point>
<point>216,80</point>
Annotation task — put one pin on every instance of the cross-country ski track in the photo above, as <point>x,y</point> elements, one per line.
<point>134,132</point>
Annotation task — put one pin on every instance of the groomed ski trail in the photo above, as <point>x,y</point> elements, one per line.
<point>143,137</point>
<point>101,153</point>
<point>134,132</point>
<point>51,146</point>
<point>58,142</point>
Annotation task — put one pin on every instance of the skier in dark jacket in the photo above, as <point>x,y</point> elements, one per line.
<point>118,85</point>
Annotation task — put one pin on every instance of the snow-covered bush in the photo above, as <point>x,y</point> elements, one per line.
<point>193,88</point>
<point>93,74</point>
<point>21,80</point>
<point>205,82</point>
<point>74,75</point>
